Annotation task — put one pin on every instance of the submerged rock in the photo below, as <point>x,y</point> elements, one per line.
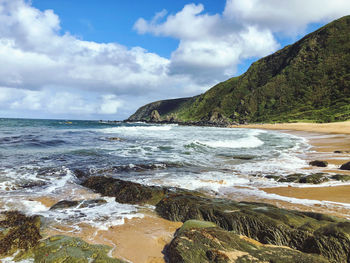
<point>201,242</point>
<point>345,166</point>
<point>124,191</point>
<point>319,163</point>
<point>81,203</point>
<point>304,231</point>
<point>70,249</point>
<point>18,232</point>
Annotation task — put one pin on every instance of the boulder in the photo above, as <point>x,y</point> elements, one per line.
<point>345,166</point>
<point>305,231</point>
<point>202,242</point>
<point>317,178</point>
<point>319,163</point>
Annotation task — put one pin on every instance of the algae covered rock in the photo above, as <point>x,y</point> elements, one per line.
<point>341,177</point>
<point>59,249</point>
<point>81,204</point>
<point>262,222</point>
<point>317,178</point>
<point>124,191</point>
<point>319,163</point>
<point>201,242</point>
<point>18,232</point>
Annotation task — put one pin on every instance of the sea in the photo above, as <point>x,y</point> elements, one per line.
<point>40,159</point>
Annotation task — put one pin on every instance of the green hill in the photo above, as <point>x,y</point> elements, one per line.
<point>306,81</point>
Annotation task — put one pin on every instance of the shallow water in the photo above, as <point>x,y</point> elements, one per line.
<point>38,158</point>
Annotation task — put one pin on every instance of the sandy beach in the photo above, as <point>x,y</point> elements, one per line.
<point>334,127</point>
<point>330,142</point>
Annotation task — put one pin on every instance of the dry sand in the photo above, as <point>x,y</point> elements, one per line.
<point>334,127</point>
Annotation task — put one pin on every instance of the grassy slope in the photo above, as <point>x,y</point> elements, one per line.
<point>309,81</point>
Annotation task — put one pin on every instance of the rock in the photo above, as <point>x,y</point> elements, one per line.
<point>338,152</point>
<point>155,117</point>
<point>71,249</point>
<point>319,163</point>
<point>124,191</point>
<point>115,139</point>
<point>81,203</point>
<point>218,118</point>
<point>317,178</point>
<point>64,204</point>
<point>345,166</point>
<point>20,232</point>
<point>243,157</point>
<point>80,174</point>
<point>304,231</point>
<point>292,178</point>
<point>201,242</point>
<point>341,177</point>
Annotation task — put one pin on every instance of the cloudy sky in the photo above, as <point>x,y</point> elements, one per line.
<point>93,59</point>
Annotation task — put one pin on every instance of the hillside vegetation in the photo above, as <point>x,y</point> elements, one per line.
<point>306,81</point>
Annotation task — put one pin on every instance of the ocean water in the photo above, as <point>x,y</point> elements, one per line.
<point>39,157</point>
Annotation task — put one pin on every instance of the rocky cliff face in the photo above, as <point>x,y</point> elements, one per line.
<point>309,80</point>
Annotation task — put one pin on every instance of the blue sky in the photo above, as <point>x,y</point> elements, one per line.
<point>104,59</point>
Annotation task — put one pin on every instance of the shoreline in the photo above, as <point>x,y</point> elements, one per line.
<point>325,140</point>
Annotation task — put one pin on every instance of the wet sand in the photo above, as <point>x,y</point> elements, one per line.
<point>325,139</point>
<point>139,240</point>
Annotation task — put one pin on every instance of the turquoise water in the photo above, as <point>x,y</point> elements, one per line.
<point>40,158</point>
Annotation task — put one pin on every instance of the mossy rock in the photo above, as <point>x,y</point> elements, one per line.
<point>59,249</point>
<point>20,233</point>
<point>125,191</point>
<point>291,178</point>
<point>341,177</point>
<point>317,178</point>
<point>262,222</point>
<point>213,244</point>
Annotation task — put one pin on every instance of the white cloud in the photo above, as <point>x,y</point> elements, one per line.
<point>290,17</point>
<point>211,46</point>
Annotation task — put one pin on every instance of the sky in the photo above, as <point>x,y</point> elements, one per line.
<point>90,59</point>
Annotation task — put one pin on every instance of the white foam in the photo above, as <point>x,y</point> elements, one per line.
<point>100,216</point>
<point>137,129</point>
<point>248,142</point>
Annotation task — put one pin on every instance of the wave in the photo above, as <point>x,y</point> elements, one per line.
<point>248,142</point>
<point>137,129</point>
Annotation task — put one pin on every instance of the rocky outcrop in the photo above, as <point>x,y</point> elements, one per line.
<point>124,191</point>
<point>164,108</point>
<point>202,242</point>
<point>20,239</point>
<point>319,163</point>
<point>345,166</point>
<point>305,231</point>
<point>155,117</point>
